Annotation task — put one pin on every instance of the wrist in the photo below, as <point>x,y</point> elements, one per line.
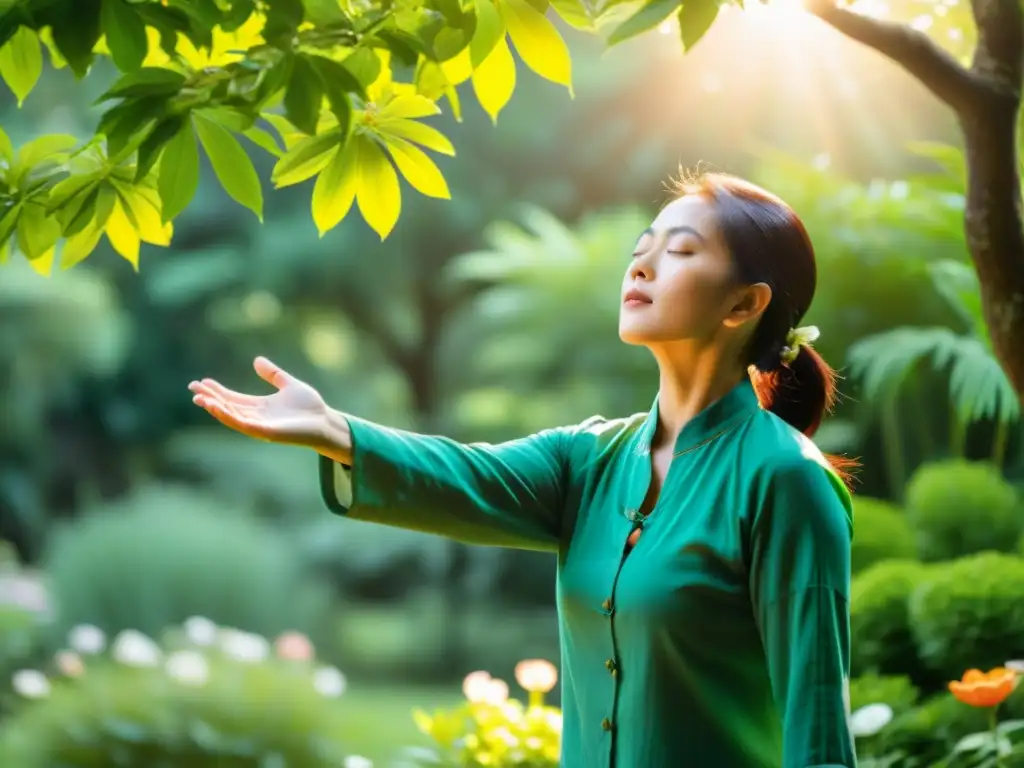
<point>337,438</point>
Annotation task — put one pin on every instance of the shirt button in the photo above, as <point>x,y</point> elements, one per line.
<point>611,666</point>
<point>607,604</point>
<point>606,724</point>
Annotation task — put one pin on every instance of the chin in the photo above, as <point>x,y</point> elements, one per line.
<point>634,336</point>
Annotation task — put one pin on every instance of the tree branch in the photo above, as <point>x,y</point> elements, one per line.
<point>910,48</point>
<point>987,100</point>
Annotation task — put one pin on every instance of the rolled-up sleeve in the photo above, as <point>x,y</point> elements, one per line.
<point>507,494</point>
<point>800,586</point>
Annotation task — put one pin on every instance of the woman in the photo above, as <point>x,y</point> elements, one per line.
<point>703,548</point>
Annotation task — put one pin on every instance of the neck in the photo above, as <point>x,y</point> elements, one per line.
<point>690,381</point>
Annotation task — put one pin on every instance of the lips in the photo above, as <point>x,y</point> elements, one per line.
<point>636,297</point>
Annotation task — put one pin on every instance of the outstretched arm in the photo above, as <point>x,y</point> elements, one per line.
<point>510,494</point>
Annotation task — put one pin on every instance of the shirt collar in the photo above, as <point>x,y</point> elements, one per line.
<point>722,414</point>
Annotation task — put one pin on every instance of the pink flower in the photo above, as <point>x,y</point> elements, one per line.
<point>70,663</point>
<point>294,646</point>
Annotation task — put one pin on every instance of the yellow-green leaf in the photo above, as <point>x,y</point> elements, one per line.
<point>262,139</point>
<point>78,247</point>
<point>434,78</point>
<point>5,252</point>
<point>495,80</point>
<point>44,264</point>
<point>6,148</point>
<point>695,18</point>
<point>377,191</point>
<point>125,33</point>
<point>650,15</point>
<point>408,106</point>
<point>290,135</point>
<point>418,169</point>
<point>51,148</point>
<point>537,41</point>
<point>305,159</point>
<point>142,207</point>
<point>489,30</point>
<point>179,172</point>
<point>335,189</point>
<point>122,235</point>
<point>38,232</point>
<point>421,133</point>
<point>21,62</point>
<point>57,61</point>
<point>231,164</point>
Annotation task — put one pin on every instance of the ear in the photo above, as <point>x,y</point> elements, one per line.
<point>748,305</point>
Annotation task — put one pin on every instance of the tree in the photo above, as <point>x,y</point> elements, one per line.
<point>346,86</point>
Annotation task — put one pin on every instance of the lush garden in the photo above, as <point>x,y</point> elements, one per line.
<point>172,595</point>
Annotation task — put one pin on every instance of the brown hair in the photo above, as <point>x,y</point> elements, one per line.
<point>769,244</point>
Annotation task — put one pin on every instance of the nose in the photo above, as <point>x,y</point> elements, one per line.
<point>641,268</point>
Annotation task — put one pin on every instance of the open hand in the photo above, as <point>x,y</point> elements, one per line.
<point>296,414</point>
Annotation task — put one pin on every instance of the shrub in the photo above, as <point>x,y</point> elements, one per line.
<point>926,733</point>
<point>881,532</point>
<point>970,613</point>
<point>898,691</point>
<point>958,508</point>
<point>211,697</point>
<point>880,638</point>
<point>166,554</point>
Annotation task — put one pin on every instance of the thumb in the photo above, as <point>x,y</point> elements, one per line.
<point>271,373</point>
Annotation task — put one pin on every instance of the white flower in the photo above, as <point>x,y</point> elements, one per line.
<point>497,692</point>
<point>328,681</point>
<point>244,646</point>
<point>30,683</point>
<point>357,761</point>
<point>869,720</point>
<point>188,667</point>
<point>136,649</point>
<point>87,639</point>
<point>536,675</point>
<point>1015,665</point>
<point>200,631</point>
<point>475,686</point>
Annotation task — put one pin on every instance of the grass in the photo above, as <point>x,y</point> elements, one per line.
<point>380,717</point>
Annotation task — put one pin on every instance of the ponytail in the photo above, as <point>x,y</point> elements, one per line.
<point>801,393</point>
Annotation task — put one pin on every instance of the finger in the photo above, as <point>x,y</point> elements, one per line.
<point>219,391</point>
<point>230,418</point>
<point>271,373</point>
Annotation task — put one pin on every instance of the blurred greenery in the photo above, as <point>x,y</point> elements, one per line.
<point>488,316</point>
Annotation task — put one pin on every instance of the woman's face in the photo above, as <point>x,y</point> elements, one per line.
<point>680,282</point>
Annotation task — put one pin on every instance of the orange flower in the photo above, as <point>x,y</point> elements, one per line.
<point>984,689</point>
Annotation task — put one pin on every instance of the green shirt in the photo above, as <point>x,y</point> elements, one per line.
<point>721,640</point>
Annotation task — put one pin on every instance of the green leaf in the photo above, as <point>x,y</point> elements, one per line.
<point>6,148</point>
<point>128,124</point>
<point>650,15</point>
<point>304,96</point>
<point>147,81</point>
<point>304,160</point>
<point>62,192</point>
<point>38,232</point>
<point>324,12</point>
<point>364,64</point>
<point>42,152</point>
<point>21,62</point>
<point>232,165</point>
<point>179,172</point>
<point>283,19</point>
<point>9,222</point>
<point>150,149</point>
<point>337,83</point>
<point>262,139</point>
<point>695,18</point>
<point>76,31</point>
<point>489,30</point>
<point>78,213</point>
<point>233,119</point>
<point>126,34</point>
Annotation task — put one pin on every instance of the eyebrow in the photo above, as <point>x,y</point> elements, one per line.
<point>676,231</point>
